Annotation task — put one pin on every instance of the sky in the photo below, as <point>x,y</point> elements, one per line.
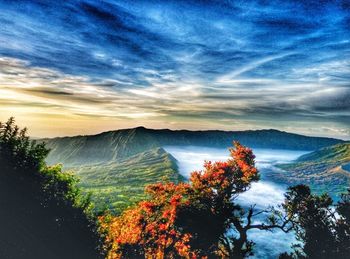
<point>83,67</point>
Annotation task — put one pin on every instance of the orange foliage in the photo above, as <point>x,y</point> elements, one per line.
<point>151,228</point>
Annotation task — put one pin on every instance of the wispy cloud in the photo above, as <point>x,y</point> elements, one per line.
<point>250,66</point>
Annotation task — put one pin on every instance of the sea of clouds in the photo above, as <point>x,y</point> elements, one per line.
<point>262,194</point>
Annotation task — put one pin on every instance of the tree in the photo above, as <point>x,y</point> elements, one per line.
<point>18,150</point>
<point>322,229</point>
<point>45,199</point>
<point>198,219</point>
<point>21,155</point>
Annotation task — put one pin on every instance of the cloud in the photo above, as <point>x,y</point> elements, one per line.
<point>250,66</point>
<point>166,64</point>
<point>170,102</point>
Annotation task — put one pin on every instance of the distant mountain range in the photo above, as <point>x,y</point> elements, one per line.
<point>112,145</point>
<point>325,169</point>
<point>116,165</point>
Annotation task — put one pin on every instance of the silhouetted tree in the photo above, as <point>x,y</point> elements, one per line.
<point>323,230</point>
<point>18,150</point>
<point>42,196</point>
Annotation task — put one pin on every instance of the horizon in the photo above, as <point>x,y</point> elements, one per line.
<point>200,130</point>
<point>85,67</point>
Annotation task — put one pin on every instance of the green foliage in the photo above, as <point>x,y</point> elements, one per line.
<point>17,149</point>
<point>28,157</point>
<point>62,187</point>
<point>323,230</point>
<point>42,196</point>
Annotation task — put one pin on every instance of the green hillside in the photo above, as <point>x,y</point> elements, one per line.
<point>325,168</point>
<point>339,153</point>
<point>101,148</point>
<point>120,183</point>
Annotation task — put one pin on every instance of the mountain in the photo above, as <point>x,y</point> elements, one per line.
<point>327,167</point>
<point>112,145</point>
<point>115,166</point>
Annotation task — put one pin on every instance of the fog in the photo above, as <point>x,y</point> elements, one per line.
<point>262,194</point>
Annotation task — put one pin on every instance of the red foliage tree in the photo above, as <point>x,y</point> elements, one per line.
<point>190,220</point>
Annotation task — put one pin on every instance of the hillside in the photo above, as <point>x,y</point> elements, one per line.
<point>339,153</point>
<point>326,167</point>
<point>109,146</point>
<point>118,184</point>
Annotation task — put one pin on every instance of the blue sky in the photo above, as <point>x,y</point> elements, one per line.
<point>80,67</point>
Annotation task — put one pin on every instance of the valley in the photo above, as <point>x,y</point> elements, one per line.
<point>262,194</point>
<point>114,167</point>
<point>115,180</point>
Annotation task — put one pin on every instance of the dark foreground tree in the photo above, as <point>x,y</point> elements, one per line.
<point>323,230</point>
<point>43,214</point>
<point>199,219</point>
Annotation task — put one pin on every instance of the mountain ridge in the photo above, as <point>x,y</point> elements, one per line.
<point>187,130</point>
<point>112,145</point>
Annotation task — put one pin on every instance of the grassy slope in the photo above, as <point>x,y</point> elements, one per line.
<point>101,148</point>
<point>339,153</point>
<point>324,169</point>
<point>120,183</point>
